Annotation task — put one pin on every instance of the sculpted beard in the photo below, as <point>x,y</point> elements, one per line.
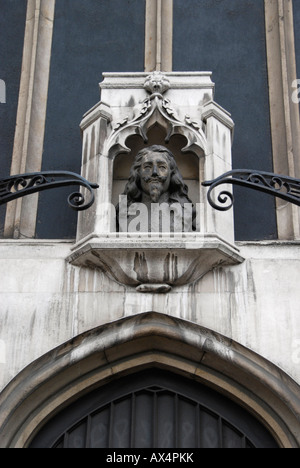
<point>155,185</point>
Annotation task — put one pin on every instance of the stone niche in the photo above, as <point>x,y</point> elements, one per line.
<point>137,110</point>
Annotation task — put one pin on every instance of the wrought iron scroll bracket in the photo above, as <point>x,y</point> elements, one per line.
<point>20,185</point>
<point>284,187</point>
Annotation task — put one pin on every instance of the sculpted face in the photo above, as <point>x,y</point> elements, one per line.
<point>155,175</point>
<point>155,195</point>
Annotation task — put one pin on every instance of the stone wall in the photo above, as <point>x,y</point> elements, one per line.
<point>45,301</point>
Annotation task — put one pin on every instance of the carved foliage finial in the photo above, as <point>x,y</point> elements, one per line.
<point>157,82</point>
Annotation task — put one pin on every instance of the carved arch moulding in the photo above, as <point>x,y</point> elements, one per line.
<point>157,109</point>
<point>148,340</point>
<point>171,122</point>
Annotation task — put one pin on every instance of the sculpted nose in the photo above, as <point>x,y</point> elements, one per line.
<point>154,170</point>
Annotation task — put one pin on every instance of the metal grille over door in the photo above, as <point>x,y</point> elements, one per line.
<point>153,418</point>
<point>173,414</point>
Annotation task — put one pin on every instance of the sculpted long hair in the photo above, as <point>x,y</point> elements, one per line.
<point>178,190</point>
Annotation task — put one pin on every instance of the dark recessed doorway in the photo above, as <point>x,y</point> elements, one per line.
<point>153,409</point>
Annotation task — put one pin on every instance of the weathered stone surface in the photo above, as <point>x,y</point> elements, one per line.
<point>148,340</point>
<point>250,302</point>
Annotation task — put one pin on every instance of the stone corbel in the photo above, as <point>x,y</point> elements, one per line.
<point>155,264</point>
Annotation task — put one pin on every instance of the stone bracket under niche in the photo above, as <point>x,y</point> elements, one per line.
<point>157,263</point>
<point>181,105</point>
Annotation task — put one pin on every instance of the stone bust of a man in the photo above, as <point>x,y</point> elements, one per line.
<point>155,183</point>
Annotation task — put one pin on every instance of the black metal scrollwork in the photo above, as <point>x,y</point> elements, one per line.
<point>21,185</point>
<point>277,185</point>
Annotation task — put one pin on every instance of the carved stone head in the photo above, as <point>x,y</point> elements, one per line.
<point>155,179</point>
<point>154,175</point>
<point>157,82</point>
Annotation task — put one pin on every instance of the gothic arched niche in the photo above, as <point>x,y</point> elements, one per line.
<point>174,110</point>
<point>154,409</point>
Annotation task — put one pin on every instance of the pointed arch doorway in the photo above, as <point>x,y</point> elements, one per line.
<point>150,379</point>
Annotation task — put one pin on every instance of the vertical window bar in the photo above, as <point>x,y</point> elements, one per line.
<point>198,426</point>
<point>220,432</point>
<point>133,422</point>
<point>176,420</point>
<point>111,424</point>
<point>155,441</point>
<point>66,440</point>
<point>88,432</point>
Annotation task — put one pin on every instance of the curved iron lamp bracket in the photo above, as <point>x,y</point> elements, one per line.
<point>20,185</point>
<point>277,185</point>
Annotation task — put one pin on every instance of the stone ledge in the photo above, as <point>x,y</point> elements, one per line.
<point>155,264</point>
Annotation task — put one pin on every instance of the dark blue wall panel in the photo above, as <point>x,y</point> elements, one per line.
<point>227,37</point>
<point>90,37</point>
<point>296,12</point>
<point>12,26</point>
